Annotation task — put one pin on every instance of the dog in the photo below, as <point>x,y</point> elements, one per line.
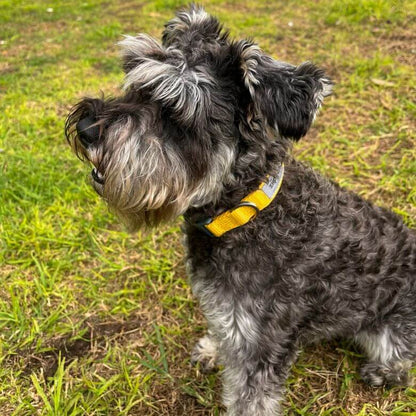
<point>277,255</point>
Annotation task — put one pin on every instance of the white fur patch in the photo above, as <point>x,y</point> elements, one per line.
<point>379,347</point>
<point>250,57</point>
<point>228,319</point>
<point>260,404</point>
<point>324,92</point>
<point>206,352</point>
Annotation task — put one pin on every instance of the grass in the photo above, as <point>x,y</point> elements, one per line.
<point>94,321</point>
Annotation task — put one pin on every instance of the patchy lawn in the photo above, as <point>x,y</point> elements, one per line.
<point>98,322</point>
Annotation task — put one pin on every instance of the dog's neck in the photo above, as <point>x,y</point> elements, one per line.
<point>248,174</point>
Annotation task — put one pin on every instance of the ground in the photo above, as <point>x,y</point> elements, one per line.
<point>95,321</point>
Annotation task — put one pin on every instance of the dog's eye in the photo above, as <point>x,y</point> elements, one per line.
<point>97,176</point>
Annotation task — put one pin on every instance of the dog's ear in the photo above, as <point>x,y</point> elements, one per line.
<point>163,75</point>
<point>287,97</point>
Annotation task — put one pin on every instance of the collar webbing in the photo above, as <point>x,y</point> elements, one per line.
<point>247,209</point>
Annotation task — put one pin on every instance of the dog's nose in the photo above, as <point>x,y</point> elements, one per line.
<point>88,131</point>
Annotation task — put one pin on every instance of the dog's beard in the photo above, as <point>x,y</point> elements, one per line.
<point>147,182</point>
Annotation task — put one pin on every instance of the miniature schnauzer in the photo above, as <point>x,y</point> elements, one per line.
<point>277,255</point>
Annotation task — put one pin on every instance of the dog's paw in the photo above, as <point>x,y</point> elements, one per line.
<point>205,354</point>
<point>395,374</point>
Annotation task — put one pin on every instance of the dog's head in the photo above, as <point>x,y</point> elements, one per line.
<point>194,107</point>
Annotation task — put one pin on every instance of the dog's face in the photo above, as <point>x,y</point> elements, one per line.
<point>173,140</point>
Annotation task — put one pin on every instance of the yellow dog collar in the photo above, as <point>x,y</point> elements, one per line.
<point>246,209</point>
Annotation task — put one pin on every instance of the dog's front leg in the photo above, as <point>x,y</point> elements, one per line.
<point>255,388</point>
